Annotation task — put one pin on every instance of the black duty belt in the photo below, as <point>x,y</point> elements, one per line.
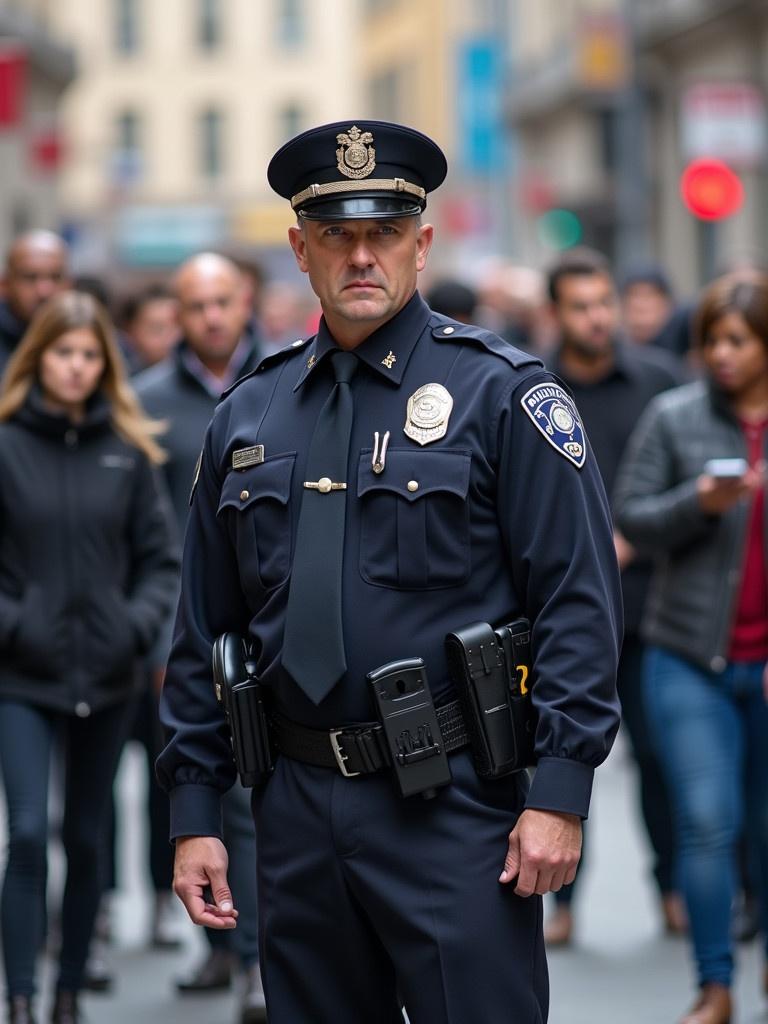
<point>357,749</point>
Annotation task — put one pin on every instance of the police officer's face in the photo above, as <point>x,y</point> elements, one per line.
<point>363,271</point>
<point>34,275</point>
<point>213,310</point>
<point>586,311</point>
<point>735,357</point>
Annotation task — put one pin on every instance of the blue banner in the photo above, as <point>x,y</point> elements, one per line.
<point>480,79</point>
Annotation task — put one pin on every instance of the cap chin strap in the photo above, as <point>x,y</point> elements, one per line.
<point>364,185</point>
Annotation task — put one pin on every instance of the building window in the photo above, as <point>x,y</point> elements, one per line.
<point>212,144</point>
<point>209,24</point>
<point>291,22</point>
<point>126,26</point>
<point>127,163</point>
<point>290,122</point>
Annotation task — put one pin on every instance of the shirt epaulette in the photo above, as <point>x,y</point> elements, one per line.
<point>445,329</point>
<point>269,360</point>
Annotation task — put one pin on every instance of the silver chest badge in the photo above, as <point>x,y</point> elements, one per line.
<point>429,409</point>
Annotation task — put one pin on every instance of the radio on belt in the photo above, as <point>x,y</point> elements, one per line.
<point>407,714</point>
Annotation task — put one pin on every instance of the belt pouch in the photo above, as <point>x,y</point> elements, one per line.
<point>515,640</point>
<point>242,697</point>
<point>477,667</point>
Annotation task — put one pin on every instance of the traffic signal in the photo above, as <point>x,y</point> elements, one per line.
<point>710,189</point>
<point>559,229</point>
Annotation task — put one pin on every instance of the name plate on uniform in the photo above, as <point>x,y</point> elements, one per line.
<point>245,457</point>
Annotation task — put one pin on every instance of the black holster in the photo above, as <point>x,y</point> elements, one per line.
<point>491,670</point>
<point>243,700</point>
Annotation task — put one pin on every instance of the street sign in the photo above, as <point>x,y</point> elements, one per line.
<point>726,120</point>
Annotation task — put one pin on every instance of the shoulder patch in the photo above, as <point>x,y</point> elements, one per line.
<point>271,360</point>
<point>445,329</point>
<point>553,412</point>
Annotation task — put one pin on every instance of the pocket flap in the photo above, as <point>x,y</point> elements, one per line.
<point>270,479</point>
<point>413,473</point>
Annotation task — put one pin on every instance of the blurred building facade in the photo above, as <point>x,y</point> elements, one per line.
<point>611,99</point>
<point>35,68</point>
<point>179,106</point>
<point>441,65</point>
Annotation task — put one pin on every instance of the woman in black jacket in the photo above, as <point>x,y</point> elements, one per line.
<point>87,573</point>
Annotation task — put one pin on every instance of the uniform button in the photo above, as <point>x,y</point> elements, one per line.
<point>448,330</point>
<point>70,437</point>
<point>413,485</point>
<point>245,495</point>
<point>82,709</point>
<point>324,484</point>
<point>718,663</point>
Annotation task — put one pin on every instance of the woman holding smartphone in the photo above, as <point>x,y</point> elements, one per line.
<point>87,575</point>
<point>692,492</point>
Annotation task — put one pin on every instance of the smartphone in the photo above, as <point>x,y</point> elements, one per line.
<point>726,469</point>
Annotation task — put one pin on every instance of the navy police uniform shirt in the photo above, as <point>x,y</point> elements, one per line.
<point>503,515</point>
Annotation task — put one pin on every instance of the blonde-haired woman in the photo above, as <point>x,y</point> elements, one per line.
<point>87,573</point>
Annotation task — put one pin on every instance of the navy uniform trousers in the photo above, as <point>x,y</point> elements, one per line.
<point>365,897</point>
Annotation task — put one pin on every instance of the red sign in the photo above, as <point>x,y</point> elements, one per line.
<point>13,75</point>
<point>711,190</point>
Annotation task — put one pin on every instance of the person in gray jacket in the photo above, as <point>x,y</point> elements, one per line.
<point>691,491</point>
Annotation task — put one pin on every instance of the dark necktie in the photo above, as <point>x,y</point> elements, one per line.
<point>313,643</point>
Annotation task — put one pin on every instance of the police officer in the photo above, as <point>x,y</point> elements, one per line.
<point>360,495</point>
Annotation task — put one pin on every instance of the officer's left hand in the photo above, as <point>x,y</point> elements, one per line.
<point>544,851</point>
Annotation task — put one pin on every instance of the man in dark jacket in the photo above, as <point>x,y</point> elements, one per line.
<point>217,347</point>
<point>612,382</point>
<point>35,269</point>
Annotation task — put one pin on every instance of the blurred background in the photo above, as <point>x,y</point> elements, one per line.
<point>141,131</point>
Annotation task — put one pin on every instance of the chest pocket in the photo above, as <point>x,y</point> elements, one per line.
<point>256,502</point>
<point>415,519</point>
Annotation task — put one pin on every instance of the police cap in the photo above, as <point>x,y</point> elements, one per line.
<point>357,169</point>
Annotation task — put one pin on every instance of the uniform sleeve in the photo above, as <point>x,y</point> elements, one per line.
<point>557,531</point>
<point>654,509</point>
<point>154,556</point>
<point>196,766</point>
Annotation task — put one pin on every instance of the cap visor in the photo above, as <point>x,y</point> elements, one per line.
<point>361,208</point>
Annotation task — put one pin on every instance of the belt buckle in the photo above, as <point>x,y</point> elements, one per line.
<point>338,753</point>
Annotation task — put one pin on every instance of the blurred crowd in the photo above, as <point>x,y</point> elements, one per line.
<point>104,401</point>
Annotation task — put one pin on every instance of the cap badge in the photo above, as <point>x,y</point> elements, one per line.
<point>356,156</point>
<point>429,409</point>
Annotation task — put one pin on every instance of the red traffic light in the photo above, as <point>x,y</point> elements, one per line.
<point>710,189</point>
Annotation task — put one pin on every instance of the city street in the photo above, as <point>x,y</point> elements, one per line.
<point>619,971</point>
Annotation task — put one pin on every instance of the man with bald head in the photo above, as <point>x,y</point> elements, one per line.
<point>35,269</point>
<point>217,346</point>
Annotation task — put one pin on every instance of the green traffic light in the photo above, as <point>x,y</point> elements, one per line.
<point>558,229</point>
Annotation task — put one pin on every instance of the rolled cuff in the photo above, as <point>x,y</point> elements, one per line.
<point>561,785</point>
<point>195,811</point>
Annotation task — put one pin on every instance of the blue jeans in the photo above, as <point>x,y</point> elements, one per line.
<point>711,733</point>
<point>92,749</point>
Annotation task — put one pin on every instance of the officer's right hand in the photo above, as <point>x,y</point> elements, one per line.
<point>201,864</point>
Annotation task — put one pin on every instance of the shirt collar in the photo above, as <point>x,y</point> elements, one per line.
<point>215,385</point>
<point>386,351</point>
